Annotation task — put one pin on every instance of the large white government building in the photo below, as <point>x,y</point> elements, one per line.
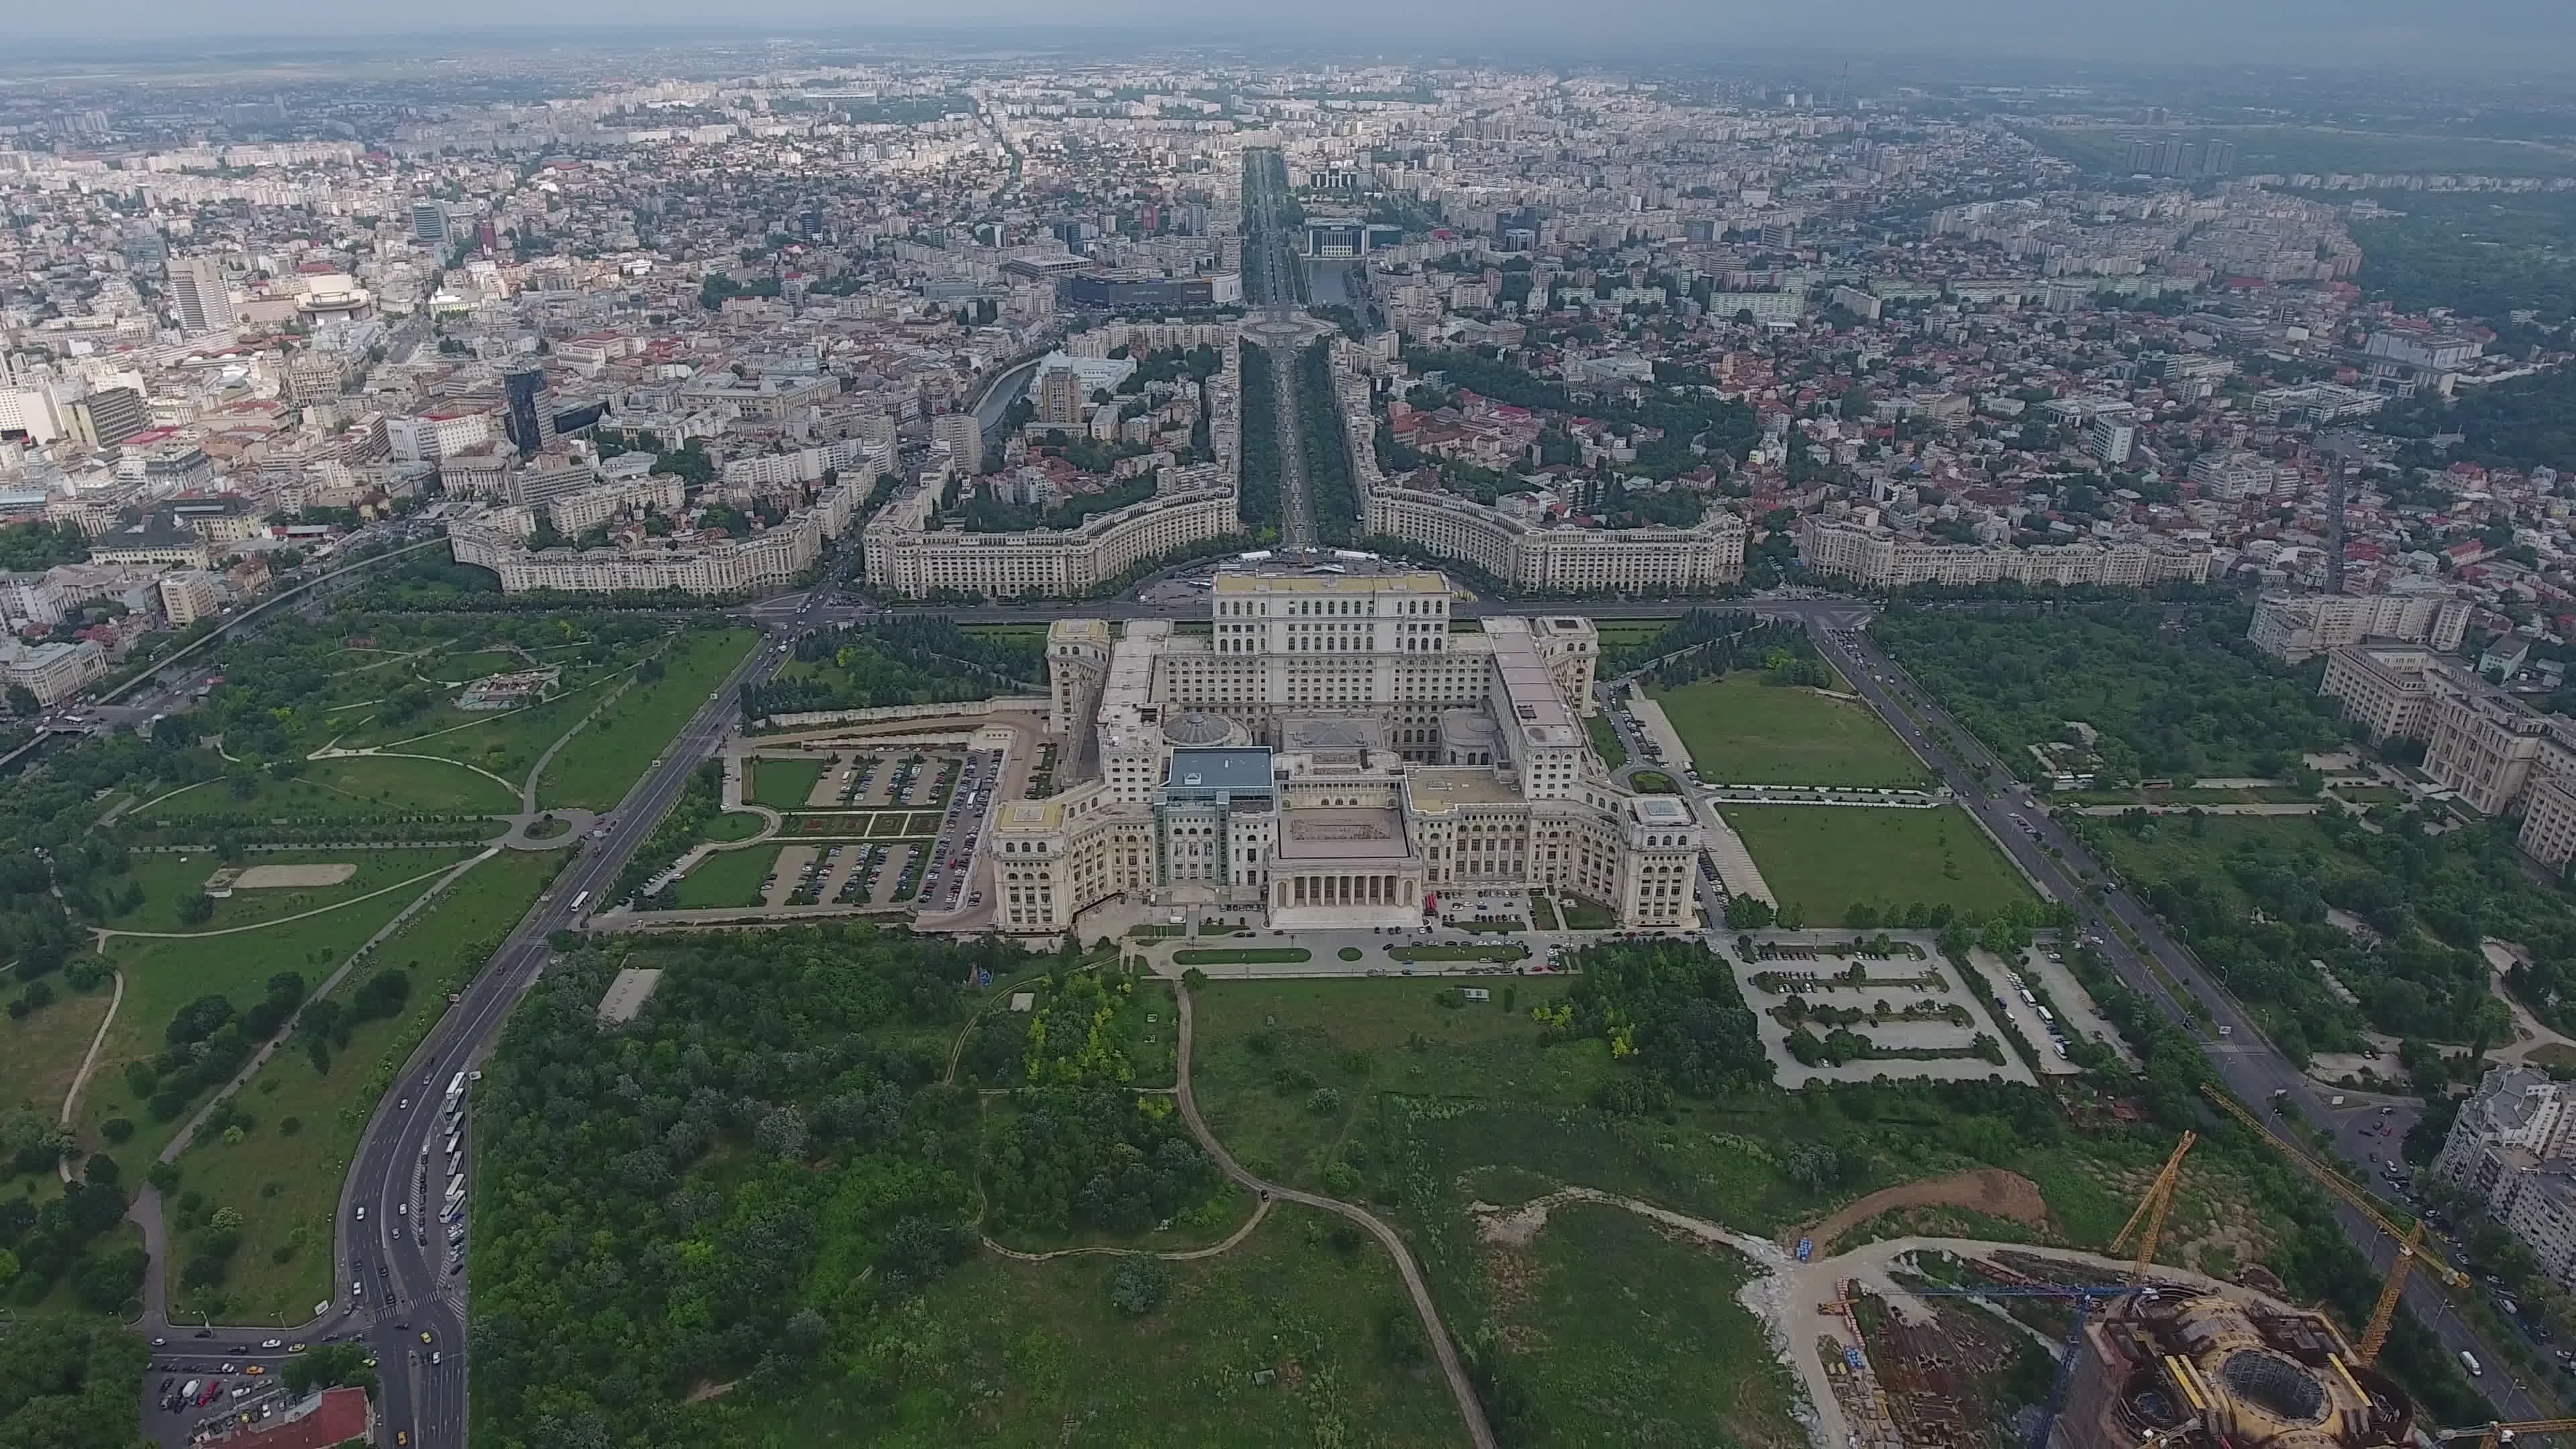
<point>1333,752</point>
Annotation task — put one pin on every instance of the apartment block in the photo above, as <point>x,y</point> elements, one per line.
<point>2295,628</point>
<point>1876,557</point>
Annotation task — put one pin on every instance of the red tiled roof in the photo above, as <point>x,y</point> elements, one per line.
<point>341,1416</point>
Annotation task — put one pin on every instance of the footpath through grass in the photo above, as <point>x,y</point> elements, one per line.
<point>1301,1335</point>
<point>285,1179</point>
<point>1741,731</point>
<point>1828,858</point>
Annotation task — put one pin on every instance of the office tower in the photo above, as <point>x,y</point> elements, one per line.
<point>964,435</point>
<point>110,416</point>
<point>198,294</point>
<point>429,222</point>
<point>1060,398</point>
<point>530,421</point>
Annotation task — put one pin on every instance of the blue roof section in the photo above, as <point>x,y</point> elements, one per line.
<point>1232,770</point>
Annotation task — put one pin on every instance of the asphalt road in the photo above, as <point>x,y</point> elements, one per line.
<point>398,1286</point>
<point>415,1290</point>
<point>2246,1063</point>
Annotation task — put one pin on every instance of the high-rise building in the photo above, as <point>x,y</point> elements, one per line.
<point>530,422</point>
<point>2111,441</point>
<point>110,416</point>
<point>429,222</point>
<point>964,435</point>
<point>1061,402</point>
<point>198,294</point>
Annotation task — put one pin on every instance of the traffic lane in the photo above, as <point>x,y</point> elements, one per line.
<point>397,1137</point>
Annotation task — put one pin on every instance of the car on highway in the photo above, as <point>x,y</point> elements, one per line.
<point>273,1343</point>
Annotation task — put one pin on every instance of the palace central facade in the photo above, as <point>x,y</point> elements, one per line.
<point>1333,752</point>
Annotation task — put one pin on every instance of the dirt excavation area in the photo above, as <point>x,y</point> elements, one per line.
<point>1870,1364</point>
<point>1988,1190</point>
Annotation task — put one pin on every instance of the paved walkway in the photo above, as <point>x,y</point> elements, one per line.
<point>1735,867</point>
<point>2529,1034</point>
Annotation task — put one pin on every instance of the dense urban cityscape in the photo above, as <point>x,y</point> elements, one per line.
<point>810,739</point>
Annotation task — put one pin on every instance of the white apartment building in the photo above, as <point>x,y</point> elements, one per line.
<point>1330,754</point>
<point>771,559</point>
<point>1659,561</point>
<point>53,672</point>
<point>189,595</point>
<point>2499,755</point>
<point>2509,1147</point>
<point>590,507</point>
<point>1191,506</point>
<point>1876,557</point>
<point>2295,628</point>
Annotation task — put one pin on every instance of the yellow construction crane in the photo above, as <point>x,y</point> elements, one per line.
<point>2411,1251</point>
<point>2496,1434</point>
<point>2148,1220</point>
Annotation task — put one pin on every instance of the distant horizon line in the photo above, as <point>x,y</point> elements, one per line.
<point>1422,43</point>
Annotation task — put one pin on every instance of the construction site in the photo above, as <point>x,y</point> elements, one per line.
<point>1940,1343</point>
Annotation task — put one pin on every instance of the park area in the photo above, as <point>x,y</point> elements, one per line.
<point>1825,859</point>
<point>305,860</point>
<point>1741,730</point>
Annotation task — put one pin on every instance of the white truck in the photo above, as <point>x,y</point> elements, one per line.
<point>2469,1361</point>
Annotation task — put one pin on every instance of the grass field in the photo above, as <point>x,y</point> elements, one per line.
<point>342,789</point>
<point>167,880</point>
<point>1242,956</point>
<point>785,784</point>
<point>1605,741</point>
<point>287,1185</point>
<point>163,975</point>
<point>1624,1336</point>
<point>734,825</point>
<point>1265,1049</point>
<point>1033,1354</point>
<point>1826,859</point>
<point>726,878</point>
<point>613,751</point>
<point>1741,731</point>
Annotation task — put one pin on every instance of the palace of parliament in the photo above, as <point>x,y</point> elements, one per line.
<point>1332,752</point>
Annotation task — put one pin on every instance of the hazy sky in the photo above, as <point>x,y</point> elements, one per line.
<point>2525,33</point>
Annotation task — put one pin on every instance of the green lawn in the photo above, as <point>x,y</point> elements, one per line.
<point>1626,1336</point>
<point>597,769</point>
<point>342,789</point>
<point>1653,782</point>
<point>168,880</point>
<point>1504,951</point>
<point>726,878</point>
<point>466,666</point>
<point>1741,731</point>
<point>163,975</point>
<point>1826,859</point>
<point>734,825</point>
<point>1605,741</point>
<point>1034,1356</point>
<point>1267,1050</point>
<point>785,784</point>
<point>287,1185</point>
<point>38,1055</point>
